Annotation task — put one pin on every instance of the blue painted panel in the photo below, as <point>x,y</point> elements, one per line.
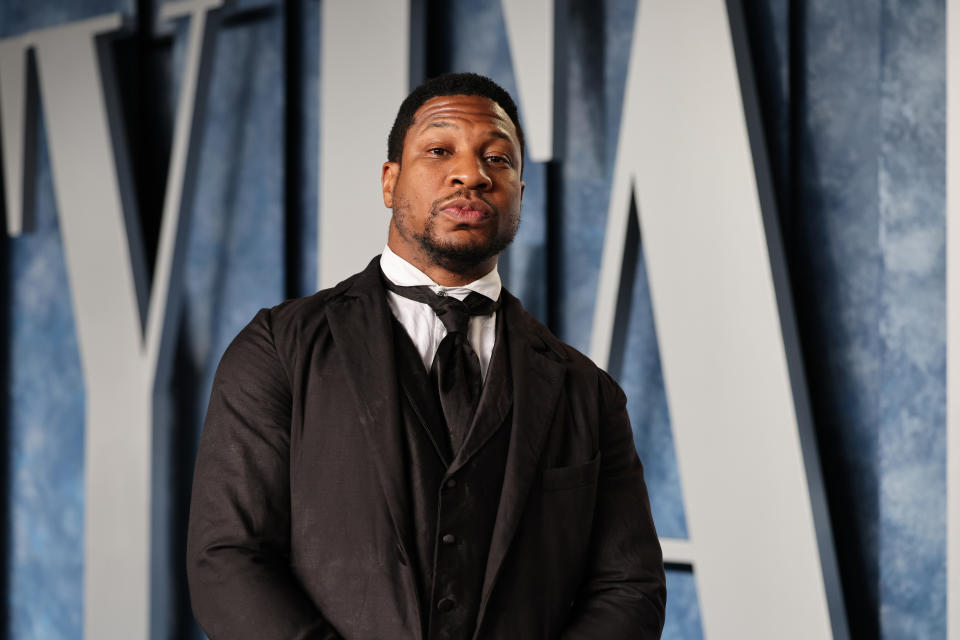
<point>869,254</point>
<point>20,16</point>
<point>310,30</point>
<point>46,423</point>
<point>838,277</point>
<point>598,50</point>
<point>235,261</point>
<point>911,326</point>
<point>683,610</point>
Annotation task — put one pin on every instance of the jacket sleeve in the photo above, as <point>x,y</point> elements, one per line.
<point>624,591</point>
<point>238,541</point>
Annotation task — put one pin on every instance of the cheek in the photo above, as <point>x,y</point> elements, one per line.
<point>512,201</point>
<point>416,187</point>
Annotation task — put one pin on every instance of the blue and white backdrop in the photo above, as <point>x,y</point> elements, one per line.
<point>740,209</point>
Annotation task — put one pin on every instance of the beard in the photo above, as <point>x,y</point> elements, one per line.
<point>454,256</point>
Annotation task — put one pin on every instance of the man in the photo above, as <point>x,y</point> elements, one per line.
<point>410,454</point>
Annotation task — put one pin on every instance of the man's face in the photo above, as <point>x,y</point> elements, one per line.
<point>456,193</point>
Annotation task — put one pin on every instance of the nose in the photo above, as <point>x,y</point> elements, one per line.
<point>469,172</point>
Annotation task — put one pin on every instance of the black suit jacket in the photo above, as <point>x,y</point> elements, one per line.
<point>300,524</point>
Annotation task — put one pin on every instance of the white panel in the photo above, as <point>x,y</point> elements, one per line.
<point>530,31</point>
<point>684,150</point>
<point>364,77</point>
<point>677,551</point>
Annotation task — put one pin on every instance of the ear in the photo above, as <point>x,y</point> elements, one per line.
<point>523,185</point>
<point>388,180</point>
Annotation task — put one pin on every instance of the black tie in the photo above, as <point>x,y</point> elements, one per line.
<point>456,367</point>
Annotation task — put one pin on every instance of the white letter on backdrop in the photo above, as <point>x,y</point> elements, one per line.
<point>684,155</point>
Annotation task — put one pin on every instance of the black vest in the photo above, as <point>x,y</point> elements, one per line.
<point>454,497</point>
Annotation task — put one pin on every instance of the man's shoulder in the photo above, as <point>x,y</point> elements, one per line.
<point>292,320</point>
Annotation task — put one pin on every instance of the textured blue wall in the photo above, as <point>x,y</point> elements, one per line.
<point>867,240</point>
<point>911,328</point>
<point>235,261</point>
<point>45,418</point>
<point>853,99</point>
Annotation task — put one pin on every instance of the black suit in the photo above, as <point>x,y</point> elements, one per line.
<point>301,522</point>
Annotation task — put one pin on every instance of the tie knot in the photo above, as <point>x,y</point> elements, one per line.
<point>454,314</point>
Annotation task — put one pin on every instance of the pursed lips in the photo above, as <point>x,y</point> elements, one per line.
<point>467,211</point>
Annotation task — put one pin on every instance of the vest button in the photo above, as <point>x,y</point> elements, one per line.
<point>446,605</point>
<point>451,483</point>
<point>449,538</point>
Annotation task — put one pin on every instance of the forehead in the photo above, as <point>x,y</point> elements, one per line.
<point>461,111</point>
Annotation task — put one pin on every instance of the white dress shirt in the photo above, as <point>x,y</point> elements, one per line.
<point>422,324</point>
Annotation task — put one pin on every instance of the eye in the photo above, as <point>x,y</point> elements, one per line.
<point>498,159</point>
<point>437,151</point>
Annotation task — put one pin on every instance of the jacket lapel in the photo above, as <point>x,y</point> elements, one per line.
<point>416,385</point>
<point>538,377</point>
<point>360,323</point>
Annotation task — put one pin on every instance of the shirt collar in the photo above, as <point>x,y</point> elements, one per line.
<point>402,273</point>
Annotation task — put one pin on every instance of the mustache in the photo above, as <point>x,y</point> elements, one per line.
<point>466,194</point>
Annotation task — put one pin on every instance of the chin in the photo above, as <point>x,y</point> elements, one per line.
<point>461,256</point>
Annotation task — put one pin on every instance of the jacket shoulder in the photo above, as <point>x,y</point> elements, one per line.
<point>287,329</point>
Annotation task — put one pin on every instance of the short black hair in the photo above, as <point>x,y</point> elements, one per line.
<point>449,84</point>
